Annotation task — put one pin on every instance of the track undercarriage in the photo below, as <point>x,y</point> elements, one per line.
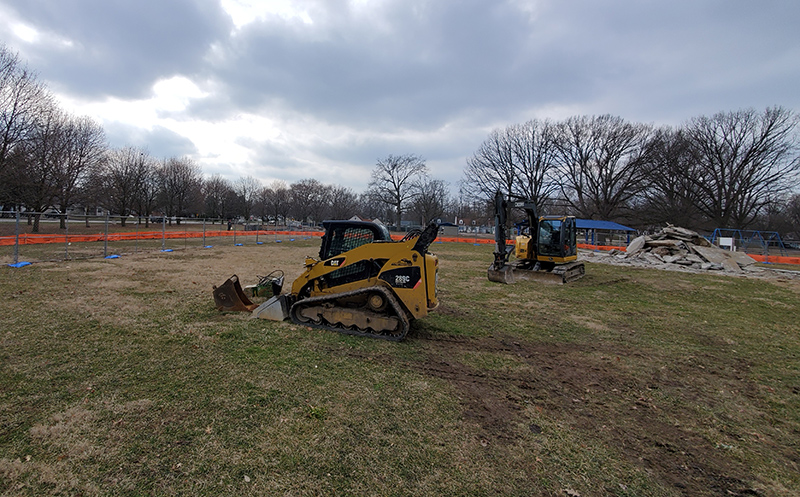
<point>371,311</point>
<point>525,270</point>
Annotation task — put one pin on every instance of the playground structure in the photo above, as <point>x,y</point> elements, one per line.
<point>751,241</point>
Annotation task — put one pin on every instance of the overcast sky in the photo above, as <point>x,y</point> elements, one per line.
<point>280,89</point>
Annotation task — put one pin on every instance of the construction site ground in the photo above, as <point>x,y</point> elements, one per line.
<point>118,376</point>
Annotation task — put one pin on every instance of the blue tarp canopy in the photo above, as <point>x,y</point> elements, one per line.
<point>592,224</point>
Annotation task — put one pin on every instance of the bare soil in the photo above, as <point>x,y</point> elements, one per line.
<point>595,396</point>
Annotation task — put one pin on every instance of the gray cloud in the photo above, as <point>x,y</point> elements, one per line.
<point>159,141</point>
<point>414,76</point>
<point>120,48</point>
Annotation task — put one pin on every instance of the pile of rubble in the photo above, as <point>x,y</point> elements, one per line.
<point>677,248</point>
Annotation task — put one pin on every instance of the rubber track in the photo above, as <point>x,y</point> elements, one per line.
<point>399,312</point>
<point>570,272</point>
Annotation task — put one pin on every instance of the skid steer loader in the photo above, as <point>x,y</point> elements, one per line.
<point>363,283</point>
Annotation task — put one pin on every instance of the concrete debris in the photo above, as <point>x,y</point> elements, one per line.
<point>680,249</point>
<point>675,245</point>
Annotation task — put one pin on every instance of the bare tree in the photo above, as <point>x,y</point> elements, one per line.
<point>373,208</point>
<point>600,163</point>
<point>491,168</point>
<point>247,189</point>
<point>277,200</point>
<point>309,199</point>
<point>516,161</point>
<point>395,181</point>
<point>180,182</point>
<point>534,152</point>
<point>39,162</point>
<point>120,180</point>
<point>431,202</point>
<point>343,203</point>
<point>793,214</point>
<point>669,195</point>
<point>147,192</point>
<point>217,193</point>
<point>742,161</point>
<point>22,100</point>
<point>84,142</point>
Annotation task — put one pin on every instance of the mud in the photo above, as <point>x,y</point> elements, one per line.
<point>593,396</point>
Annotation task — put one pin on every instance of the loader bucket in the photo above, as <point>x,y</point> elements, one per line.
<point>230,297</point>
<point>274,309</point>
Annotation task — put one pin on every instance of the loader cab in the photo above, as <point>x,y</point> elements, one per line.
<point>341,236</point>
<point>556,240</point>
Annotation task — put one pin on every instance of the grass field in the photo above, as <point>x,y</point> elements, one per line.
<point>118,376</point>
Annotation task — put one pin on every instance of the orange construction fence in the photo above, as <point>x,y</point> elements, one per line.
<point>29,239</point>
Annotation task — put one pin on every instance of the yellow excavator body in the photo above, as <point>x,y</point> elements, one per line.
<point>547,253</point>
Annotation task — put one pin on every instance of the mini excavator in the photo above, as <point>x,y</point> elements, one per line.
<point>547,252</point>
<point>363,283</point>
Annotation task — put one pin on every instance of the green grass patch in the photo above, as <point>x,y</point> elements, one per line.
<point>120,377</point>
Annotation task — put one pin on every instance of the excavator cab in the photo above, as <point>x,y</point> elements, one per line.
<point>557,239</point>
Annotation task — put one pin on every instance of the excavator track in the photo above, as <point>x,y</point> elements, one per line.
<point>570,272</point>
<point>510,273</point>
<point>369,312</point>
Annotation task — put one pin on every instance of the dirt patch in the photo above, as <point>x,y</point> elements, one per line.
<point>587,388</point>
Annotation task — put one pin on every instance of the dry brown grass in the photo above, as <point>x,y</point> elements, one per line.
<point>117,376</point>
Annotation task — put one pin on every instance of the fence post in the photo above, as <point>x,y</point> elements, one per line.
<point>105,239</point>
<point>163,232</point>
<point>204,232</point>
<point>16,239</point>
<point>66,237</point>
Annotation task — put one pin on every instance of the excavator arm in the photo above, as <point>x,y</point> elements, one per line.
<point>501,206</point>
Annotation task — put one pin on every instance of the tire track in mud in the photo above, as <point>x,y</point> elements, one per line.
<point>597,397</point>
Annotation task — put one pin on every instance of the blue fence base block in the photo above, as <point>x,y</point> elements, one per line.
<point>167,250</point>
<point>278,241</point>
<point>259,243</point>
<point>20,264</point>
<point>238,244</point>
<point>291,239</point>
<point>208,246</point>
<point>115,256</point>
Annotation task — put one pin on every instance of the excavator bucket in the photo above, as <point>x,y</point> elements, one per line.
<point>502,275</point>
<point>230,297</point>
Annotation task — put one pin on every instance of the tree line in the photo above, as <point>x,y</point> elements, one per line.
<point>730,170</point>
